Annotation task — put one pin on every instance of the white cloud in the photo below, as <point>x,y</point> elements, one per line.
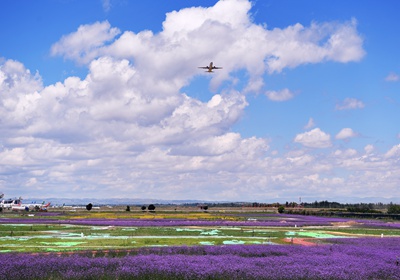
<point>369,149</point>
<point>349,104</point>
<point>16,79</point>
<point>234,13</point>
<point>86,43</point>
<point>228,25</point>
<point>346,133</point>
<point>393,152</point>
<point>392,77</point>
<point>315,138</point>
<point>301,160</point>
<point>310,124</point>
<point>282,95</point>
<point>18,94</point>
<point>345,154</point>
<point>126,130</point>
<point>297,44</point>
<point>345,44</point>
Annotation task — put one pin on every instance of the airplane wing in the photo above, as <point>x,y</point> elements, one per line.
<point>210,68</point>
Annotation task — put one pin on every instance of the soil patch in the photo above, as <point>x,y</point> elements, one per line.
<point>300,241</point>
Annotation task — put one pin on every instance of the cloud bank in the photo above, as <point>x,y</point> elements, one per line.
<point>128,130</point>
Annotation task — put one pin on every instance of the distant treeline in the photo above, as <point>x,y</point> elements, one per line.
<point>348,207</point>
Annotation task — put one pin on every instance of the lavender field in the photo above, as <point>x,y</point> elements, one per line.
<point>361,258</point>
<point>202,246</point>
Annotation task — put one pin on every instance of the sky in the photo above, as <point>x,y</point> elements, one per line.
<point>104,99</point>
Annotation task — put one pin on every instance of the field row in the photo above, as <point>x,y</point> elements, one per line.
<point>62,232</point>
<point>345,258</point>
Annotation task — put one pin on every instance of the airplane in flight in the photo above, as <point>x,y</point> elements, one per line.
<point>210,68</point>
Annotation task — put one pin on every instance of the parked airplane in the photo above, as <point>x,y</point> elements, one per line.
<point>16,204</point>
<point>210,68</point>
<point>33,206</point>
<point>8,204</point>
<point>19,206</point>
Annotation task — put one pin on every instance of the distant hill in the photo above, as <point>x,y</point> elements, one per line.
<point>146,201</point>
<point>111,201</point>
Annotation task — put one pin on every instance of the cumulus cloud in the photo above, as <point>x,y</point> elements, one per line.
<point>126,130</point>
<point>297,44</point>
<point>369,149</point>
<point>281,95</point>
<point>107,119</point>
<point>186,35</point>
<point>18,94</point>
<point>350,104</point>
<point>86,43</point>
<point>16,79</point>
<point>314,138</point>
<point>349,153</point>
<point>346,133</point>
<point>393,152</point>
<point>310,124</point>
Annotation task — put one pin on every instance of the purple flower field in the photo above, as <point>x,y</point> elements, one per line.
<point>333,258</point>
<point>353,258</point>
<point>269,220</point>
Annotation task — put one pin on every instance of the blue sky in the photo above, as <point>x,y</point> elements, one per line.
<point>105,99</point>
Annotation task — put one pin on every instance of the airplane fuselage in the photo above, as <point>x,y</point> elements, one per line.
<point>17,205</point>
<point>10,203</point>
<point>210,68</point>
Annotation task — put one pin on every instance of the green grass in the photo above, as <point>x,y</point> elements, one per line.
<point>66,237</point>
<point>42,238</point>
<point>369,231</point>
<point>35,244</point>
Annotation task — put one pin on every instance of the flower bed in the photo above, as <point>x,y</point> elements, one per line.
<point>361,258</point>
<point>273,221</point>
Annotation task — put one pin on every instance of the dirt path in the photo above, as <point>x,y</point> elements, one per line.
<point>300,241</point>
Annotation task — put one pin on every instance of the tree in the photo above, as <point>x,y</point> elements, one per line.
<point>143,208</point>
<point>393,209</point>
<point>128,208</point>
<point>151,207</point>
<point>89,206</point>
<point>281,209</point>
